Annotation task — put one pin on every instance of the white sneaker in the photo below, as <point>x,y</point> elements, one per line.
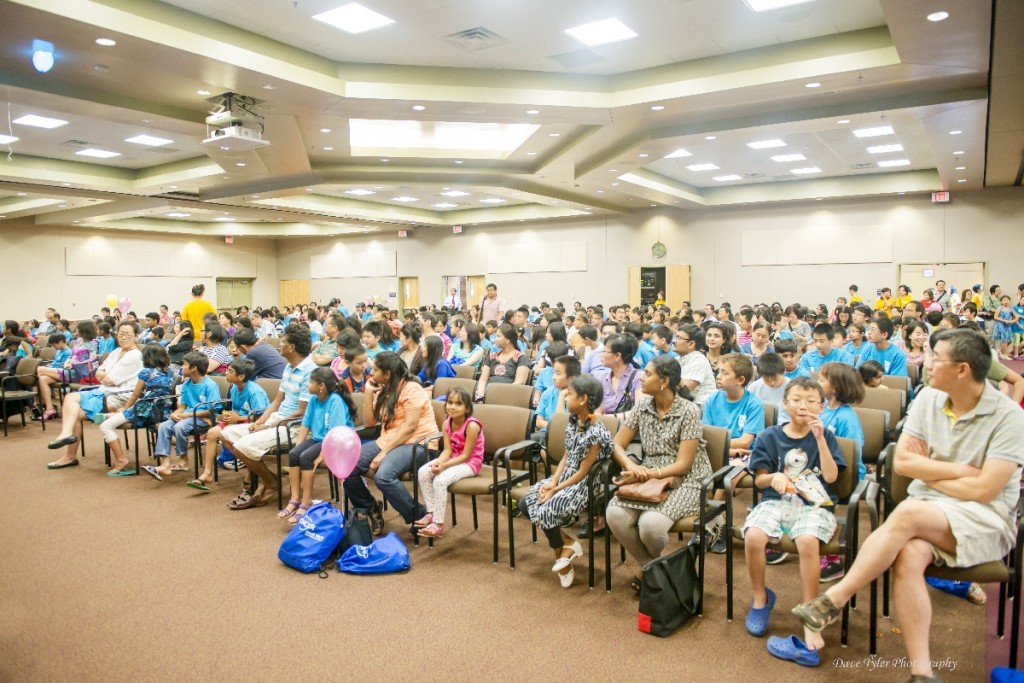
<point>563,562</point>
<point>566,579</point>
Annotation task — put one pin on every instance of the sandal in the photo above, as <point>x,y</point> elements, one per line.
<point>423,521</point>
<point>976,594</point>
<point>432,530</point>
<point>299,513</point>
<point>289,509</point>
<point>245,501</point>
<point>198,485</point>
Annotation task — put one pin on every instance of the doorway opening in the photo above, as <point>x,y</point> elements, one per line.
<point>232,293</point>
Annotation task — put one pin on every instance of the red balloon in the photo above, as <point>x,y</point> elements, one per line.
<point>340,451</point>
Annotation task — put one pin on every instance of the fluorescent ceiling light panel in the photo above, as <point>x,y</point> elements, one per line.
<point>768,5</point>
<point>455,193</point>
<point>702,167</point>
<point>7,139</point>
<point>177,214</point>
<point>353,18</point>
<point>224,218</point>
<point>437,139</point>
<point>805,171</point>
<point>892,163</point>
<point>786,158</point>
<point>444,205</point>
<point>601,32</point>
<point>678,153</point>
<point>149,140</point>
<point>404,198</point>
<point>885,149</point>
<point>874,132</point>
<point>766,144</point>
<point>726,178</point>
<point>97,153</point>
<point>40,121</point>
<point>492,200</point>
<point>359,192</point>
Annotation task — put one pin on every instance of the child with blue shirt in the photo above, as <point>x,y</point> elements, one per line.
<point>544,379</point>
<point>1018,330</point>
<point>800,457</point>
<point>822,353</point>
<point>856,345</point>
<point>787,350</point>
<point>105,338</point>
<point>330,405</point>
<point>247,398</point>
<point>661,341</point>
<point>61,352</point>
<point>892,358</point>
<point>563,370</point>
<point>198,392</point>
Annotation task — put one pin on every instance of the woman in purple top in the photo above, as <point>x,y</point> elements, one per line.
<point>620,381</point>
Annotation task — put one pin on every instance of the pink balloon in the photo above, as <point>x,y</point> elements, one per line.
<point>124,305</point>
<point>341,450</point>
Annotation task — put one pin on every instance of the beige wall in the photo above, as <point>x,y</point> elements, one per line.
<point>34,257</point>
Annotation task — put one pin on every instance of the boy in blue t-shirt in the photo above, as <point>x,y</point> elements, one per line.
<point>787,350</point>
<point>247,399</point>
<point>198,391</point>
<point>892,358</point>
<point>545,377</point>
<point>800,457</point>
<point>739,411</point>
<point>822,353</point>
<point>61,352</point>
<point>563,370</point>
<point>661,341</point>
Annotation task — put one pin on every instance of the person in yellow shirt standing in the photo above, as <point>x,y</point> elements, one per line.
<point>904,297</point>
<point>885,302</point>
<point>855,297</point>
<point>194,310</point>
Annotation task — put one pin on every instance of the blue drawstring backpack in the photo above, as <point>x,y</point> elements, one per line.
<point>385,555</point>
<point>313,538</point>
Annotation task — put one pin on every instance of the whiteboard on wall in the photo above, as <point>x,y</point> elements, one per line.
<point>539,257</point>
<point>351,265</point>
<point>815,246</point>
<point>136,261</point>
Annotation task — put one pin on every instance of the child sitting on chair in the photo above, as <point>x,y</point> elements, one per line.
<point>801,456</point>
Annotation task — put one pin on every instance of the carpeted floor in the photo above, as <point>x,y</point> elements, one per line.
<point>131,579</point>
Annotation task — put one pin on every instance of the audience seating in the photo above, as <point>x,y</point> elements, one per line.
<point>896,382</point>
<point>463,371</point>
<point>771,415</point>
<point>27,390</point>
<point>520,395</point>
<point>892,401</point>
<point>442,386</point>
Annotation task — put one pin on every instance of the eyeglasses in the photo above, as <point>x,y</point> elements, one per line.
<point>808,402</point>
<point>946,360</point>
<point>682,339</point>
<point>125,334</point>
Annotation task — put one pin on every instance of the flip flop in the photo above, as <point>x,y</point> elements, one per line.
<point>179,468</point>
<point>55,466</point>
<point>757,617</point>
<point>793,649</point>
<point>198,485</point>
<point>121,473</point>
<point>151,471</point>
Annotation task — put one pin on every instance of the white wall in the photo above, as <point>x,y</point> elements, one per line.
<point>33,268</point>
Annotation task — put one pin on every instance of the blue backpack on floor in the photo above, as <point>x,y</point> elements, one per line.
<point>312,540</point>
<point>386,555</point>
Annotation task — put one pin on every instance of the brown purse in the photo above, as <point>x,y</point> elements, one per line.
<point>650,491</point>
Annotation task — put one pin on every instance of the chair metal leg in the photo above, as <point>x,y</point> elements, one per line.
<point>1015,621</point>
<point>1001,624</point>
<point>873,620</point>
<point>511,531</point>
<point>476,524</point>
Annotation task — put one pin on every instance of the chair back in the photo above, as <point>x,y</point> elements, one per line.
<point>222,384</point>
<point>502,425</point>
<point>439,414</point>
<point>875,424</point>
<point>520,395</point>
<point>359,419</point>
<point>915,374</point>
<point>443,385</point>
<point>271,386</point>
<point>26,372</point>
<point>463,371</point>
<point>847,480</point>
<point>274,341</point>
<point>897,382</point>
<point>892,401</point>
<point>47,353</point>
<point>716,440</point>
<point>771,415</point>
<point>556,433</point>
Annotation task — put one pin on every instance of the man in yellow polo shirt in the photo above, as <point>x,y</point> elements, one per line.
<point>194,310</point>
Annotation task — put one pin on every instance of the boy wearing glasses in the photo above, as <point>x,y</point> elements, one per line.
<point>801,457</point>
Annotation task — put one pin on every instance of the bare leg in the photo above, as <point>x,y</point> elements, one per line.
<point>754,543</point>
<point>72,414</point>
<point>71,453</point>
<point>307,487</point>
<point>120,462</point>
<point>913,604</point>
<point>210,454</point>
<point>810,571</point>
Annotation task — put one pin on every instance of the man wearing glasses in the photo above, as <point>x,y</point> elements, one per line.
<point>696,370</point>
<point>961,446</point>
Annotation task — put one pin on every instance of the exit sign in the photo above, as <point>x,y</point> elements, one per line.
<point>940,197</point>
<point>457,229</point>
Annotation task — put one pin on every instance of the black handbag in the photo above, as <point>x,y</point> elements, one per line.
<point>357,532</point>
<point>670,592</point>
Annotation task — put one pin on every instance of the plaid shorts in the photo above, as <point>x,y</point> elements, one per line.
<point>815,521</point>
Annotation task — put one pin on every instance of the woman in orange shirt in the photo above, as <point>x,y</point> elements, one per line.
<point>195,310</point>
<point>401,406</point>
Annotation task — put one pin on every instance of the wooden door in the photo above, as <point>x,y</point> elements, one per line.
<point>634,286</point>
<point>294,292</point>
<point>476,288</point>
<point>677,285</point>
<point>408,293</point>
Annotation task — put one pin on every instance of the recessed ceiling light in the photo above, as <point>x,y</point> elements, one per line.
<point>885,149</point>
<point>444,205</point>
<point>97,153</point>
<point>766,144</point>
<point>361,192</point>
<point>613,170</point>
<point>455,193</point>
<point>269,86</point>
<point>106,42</point>
<point>177,214</point>
<point>657,107</point>
<point>224,218</point>
<point>843,121</point>
<point>353,18</point>
<point>678,154</point>
<point>892,163</point>
<point>938,16</point>
<point>418,107</point>
<point>23,194</point>
<point>328,149</point>
<point>531,154</point>
<point>786,158</point>
<point>818,199</point>
<point>601,32</point>
<point>901,193</point>
<point>203,93</point>
<point>492,200</point>
<point>767,5</point>
<point>240,164</point>
<point>644,156</point>
<point>702,167</point>
<point>384,161</point>
<point>224,148</point>
<point>962,180</point>
<point>172,187</point>
<point>813,84</point>
<point>725,178</point>
<point>805,171</point>
<point>955,132</point>
<point>404,198</point>
<point>149,140</point>
<point>255,196</point>
<point>958,153</point>
<point>873,132</point>
<point>531,112</point>
<point>65,184</point>
<point>325,130</point>
<point>458,161</point>
<point>615,184</point>
<point>710,137</point>
<point>40,121</point>
<point>600,191</point>
<point>7,139</point>
<point>960,168</point>
<point>554,135</point>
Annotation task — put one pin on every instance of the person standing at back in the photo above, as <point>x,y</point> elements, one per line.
<point>491,307</point>
<point>194,310</point>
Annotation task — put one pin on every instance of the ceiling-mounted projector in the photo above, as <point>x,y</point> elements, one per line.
<point>236,138</point>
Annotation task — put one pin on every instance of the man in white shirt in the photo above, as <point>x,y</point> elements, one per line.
<point>452,300</point>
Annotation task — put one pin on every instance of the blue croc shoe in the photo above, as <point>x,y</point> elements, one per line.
<point>794,650</point>
<point>757,617</point>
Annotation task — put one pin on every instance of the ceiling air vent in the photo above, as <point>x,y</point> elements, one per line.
<point>163,150</point>
<point>867,164</point>
<point>474,39</point>
<point>181,195</point>
<point>78,143</point>
<point>754,175</point>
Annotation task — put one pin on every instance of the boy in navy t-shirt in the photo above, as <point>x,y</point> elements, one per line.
<point>194,413</point>
<point>800,457</point>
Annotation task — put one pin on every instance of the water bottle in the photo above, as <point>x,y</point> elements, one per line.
<point>792,504</point>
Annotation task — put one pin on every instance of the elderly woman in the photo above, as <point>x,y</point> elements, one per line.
<point>669,426</point>
<point>117,377</point>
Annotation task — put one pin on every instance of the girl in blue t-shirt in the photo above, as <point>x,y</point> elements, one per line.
<point>330,405</point>
<point>436,366</point>
<point>1018,330</point>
